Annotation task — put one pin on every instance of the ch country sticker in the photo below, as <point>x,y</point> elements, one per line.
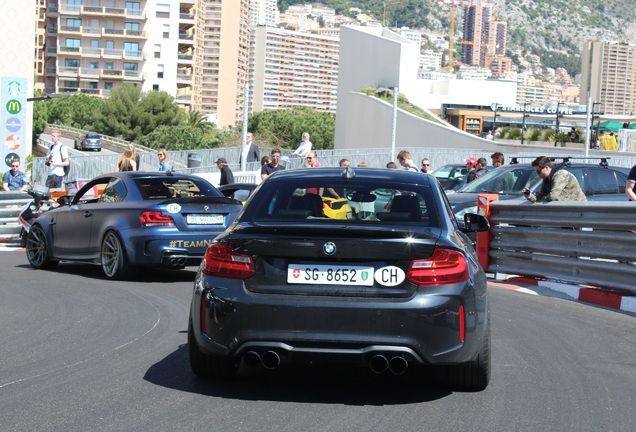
<point>14,106</point>
<point>389,276</point>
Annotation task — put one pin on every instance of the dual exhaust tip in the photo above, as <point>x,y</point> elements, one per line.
<point>379,363</point>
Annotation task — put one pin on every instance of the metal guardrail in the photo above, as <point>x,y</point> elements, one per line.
<point>590,243</point>
<point>11,204</point>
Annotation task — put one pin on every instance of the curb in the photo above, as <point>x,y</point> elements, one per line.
<point>591,295</point>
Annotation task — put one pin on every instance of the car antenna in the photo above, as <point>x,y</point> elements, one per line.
<point>348,172</point>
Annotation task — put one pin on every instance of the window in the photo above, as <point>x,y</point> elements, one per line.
<point>132,6</point>
<point>166,31</point>
<point>601,182</point>
<point>133,67</point>
<point>73,24</point>
<point>72,45</point>
<point>110,44</point>
<point>159,71</point>
<point>163,11</point>
<point>132,28</point>
<point>157,51</point>
<point>108,85</point>
<point>72,63</point>
<point>92,85</point>
<point>131,49</point>
<point>94,43</point>
<point>109,65</point>
<point>94,64</point>
<point>155,87</point>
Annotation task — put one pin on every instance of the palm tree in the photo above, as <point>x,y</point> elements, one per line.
<point>198,120</point>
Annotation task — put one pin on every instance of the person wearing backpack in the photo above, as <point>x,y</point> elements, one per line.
<point>57,161</point>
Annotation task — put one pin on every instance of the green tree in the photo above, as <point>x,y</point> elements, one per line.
<point>131,114</point>
<point>198,120</point>
<point>283,128</point>
<point>176,138</point>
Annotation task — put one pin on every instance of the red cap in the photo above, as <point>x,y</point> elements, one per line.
<point>472,161</point>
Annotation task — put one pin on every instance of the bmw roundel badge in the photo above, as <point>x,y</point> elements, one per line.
<point>329,248</point>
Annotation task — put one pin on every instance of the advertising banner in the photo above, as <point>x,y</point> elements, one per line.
<point>13,121</point>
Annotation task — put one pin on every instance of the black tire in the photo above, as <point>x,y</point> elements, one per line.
<point>474,375</point>
<point>206,366</point>
<point>113,257</point>
<point>37,251</point>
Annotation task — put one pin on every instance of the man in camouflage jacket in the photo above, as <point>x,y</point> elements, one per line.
<point>557,186</point>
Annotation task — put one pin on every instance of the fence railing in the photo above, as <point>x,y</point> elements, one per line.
<point>11,203</point>
<point>589,243</point>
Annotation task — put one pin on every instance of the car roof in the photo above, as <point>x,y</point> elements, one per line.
<point>377,173</point>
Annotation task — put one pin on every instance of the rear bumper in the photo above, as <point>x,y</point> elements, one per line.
<point>423,329</point>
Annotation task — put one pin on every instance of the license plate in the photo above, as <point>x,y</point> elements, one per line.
<point>213,219</point>
<point>330,275</point>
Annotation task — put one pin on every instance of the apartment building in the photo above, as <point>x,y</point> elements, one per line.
<point>609,76</point>
<point>93,48</point>
<point>224,59</point>
<point>264,12</point>
<point>291,69</point>
<point>484,38</point>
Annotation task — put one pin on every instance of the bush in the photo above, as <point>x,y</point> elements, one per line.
<point>533,134</point>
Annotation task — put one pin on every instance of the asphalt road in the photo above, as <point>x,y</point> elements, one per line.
<point>81,353</point>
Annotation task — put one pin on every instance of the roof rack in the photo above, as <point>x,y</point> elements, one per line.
<point>566,160</point>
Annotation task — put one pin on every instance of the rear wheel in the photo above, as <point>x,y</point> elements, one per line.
<point>474,375</point>
<point>207,366</point>
<point>113,257</point>
<point>37,250</point>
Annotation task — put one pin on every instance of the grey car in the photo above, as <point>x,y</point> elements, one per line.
<point>599,182</point>
<point>395,287</point>
<point>91,141</point>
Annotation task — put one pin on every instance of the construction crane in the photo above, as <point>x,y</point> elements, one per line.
<point>451,39</point>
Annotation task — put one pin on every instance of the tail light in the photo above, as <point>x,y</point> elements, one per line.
<point>444,267</point>
<point>155,218</point>
<point>220,260</point>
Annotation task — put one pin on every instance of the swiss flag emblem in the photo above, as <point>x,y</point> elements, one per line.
<point>296,273</point>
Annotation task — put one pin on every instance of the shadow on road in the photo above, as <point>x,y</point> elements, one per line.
<point>321,383</point>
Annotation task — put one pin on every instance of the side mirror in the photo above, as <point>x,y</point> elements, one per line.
<point>475,223</point>
<point>64,200</point>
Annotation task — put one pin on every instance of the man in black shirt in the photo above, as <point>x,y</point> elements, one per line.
<point>226,173</point>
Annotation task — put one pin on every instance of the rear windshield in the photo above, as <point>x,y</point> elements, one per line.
<point>163,188</point>
<point>336,200</point>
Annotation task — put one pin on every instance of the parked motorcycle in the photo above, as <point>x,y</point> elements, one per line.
<point>41,203</point>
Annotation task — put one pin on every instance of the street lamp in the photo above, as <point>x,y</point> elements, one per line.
<point>523,122</point>
<point>596,115</point>
<point>494,107</point>
<point>558,116</point>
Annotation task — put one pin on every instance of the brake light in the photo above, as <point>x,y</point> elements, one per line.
<point>444,267</point>
<point>220,260</point>
<point>155,218</point>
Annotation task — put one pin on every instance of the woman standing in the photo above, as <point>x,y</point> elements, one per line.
<point>126,162</point>
<point>164,161</point>
<point>135,155</point>
<point>305,146</point>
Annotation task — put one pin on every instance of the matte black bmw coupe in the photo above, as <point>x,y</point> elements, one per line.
<point>388,287</point>
<point>128,220</point>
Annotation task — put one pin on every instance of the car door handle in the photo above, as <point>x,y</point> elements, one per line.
<point>88,214</point>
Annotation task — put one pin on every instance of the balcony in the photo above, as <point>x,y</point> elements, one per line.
<point>89,73</point>
<point>135,55</point>
<point>184,99</point>
<point>185,38</point>
<point>123,33</point>
<point>186,18</point>
<point>132,75</point>
<point>185,58</point>
<point>115,54</point>
<point>111,74</point>
<point>70,51</point>
<point>135,14</point>
<point>104,11</point>
<point>70,30</point>
<point>68,72</point>
<point>91,52</point>
<point>91,31</point>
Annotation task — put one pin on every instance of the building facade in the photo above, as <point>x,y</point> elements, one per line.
<point>293,69</point>
<point>609,76</point>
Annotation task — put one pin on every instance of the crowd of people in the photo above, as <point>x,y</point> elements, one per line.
<point>557,185</point>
